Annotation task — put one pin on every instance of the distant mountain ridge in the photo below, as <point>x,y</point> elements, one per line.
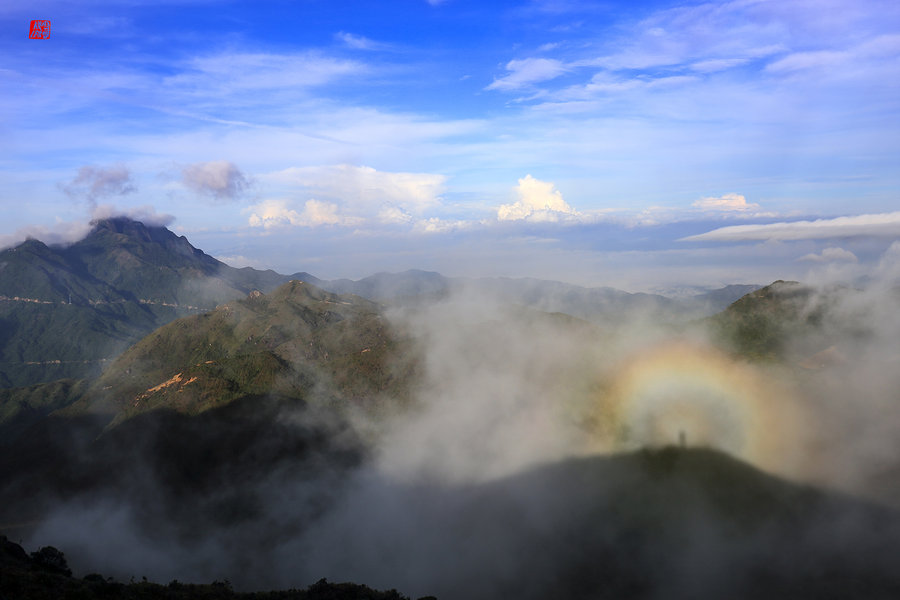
<point>123,259</point>
<point>233,419</point>
<point>65,311</point>
<point>595,304</point>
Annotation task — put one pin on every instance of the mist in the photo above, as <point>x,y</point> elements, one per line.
<point>535,455</point>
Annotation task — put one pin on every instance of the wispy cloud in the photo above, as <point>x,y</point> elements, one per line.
<point>527,71</point>
<point>359,42</point>
<point>882,49</point>
<point>253,87</point>
<point>885,224</point>
<point>714,65</point>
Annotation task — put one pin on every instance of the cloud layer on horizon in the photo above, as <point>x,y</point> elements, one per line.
<point>878,225</point>
<point>644,118</point>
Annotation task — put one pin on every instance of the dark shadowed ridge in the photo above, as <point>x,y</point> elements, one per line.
<point>667,523</point>
<point>45,574</point>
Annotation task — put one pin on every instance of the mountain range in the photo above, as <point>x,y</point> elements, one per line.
<point>240,422</point>
<point>66,311</point>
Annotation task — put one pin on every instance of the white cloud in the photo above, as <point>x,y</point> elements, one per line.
<point>808,60</point>
<point>273,213</point>
<point>67,232</point>
<point>146,214</point>
<point>219,179</point>
<point>833,254</point>
<point>240,261</point>
<point>59,233</point>
<point>727,203</point>
<point>394,214</point>
<point>538,201</point>
<point>436,225</point>
<point>527,71</point>
<point>888,268</point>
<point>347,195</point>
<point>365,192</point>
<point>316,212</point>
<point>879,48</point>
<point>279,213</point>
<point>884,224</point>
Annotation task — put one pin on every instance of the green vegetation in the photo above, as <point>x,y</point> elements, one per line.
<point>223,411</point>
<point>299,341</point>
<point>64,311</point>
<point>761,324</point>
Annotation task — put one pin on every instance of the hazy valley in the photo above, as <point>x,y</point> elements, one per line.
<point>461,438</point>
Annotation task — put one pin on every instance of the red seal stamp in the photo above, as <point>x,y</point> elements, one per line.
<point>40,30</point>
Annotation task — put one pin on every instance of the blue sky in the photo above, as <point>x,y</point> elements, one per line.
<point>645,145</point>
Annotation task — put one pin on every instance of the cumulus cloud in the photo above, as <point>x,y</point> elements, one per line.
<point>436,225</point>
<point>273,213</point>
<point>394,214</point>
<point>727,203</point>
<point>366,193</point>
<point>320,213</point>
<point>278,213</point>
<point>527,71</point>
<point>882,224</point>
<point>831,255</point>
<point>93,183</point>
<point>348,195</point>
<point>219,179</point>
<point>538,201</point>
